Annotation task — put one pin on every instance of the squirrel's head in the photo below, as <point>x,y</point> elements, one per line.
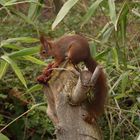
<point>46,47</point>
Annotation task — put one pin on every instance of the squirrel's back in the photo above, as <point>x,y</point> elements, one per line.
<point>69,39</point>
<point>76,45</point>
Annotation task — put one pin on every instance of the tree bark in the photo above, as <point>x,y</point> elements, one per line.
<point>66,97</point>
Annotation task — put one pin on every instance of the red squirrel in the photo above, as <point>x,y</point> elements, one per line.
<point>76,49</point>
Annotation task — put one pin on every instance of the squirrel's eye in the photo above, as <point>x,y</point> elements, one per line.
<point>43,51</point>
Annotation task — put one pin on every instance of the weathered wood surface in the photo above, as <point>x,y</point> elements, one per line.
<point>66,106</point>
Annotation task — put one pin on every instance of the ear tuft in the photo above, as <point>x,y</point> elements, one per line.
<point>42,39</point>
<point>45,43</point>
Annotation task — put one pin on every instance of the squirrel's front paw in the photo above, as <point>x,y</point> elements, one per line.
<point>42,79</point>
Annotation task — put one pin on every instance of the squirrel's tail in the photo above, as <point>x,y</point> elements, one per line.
<point>96,106</point>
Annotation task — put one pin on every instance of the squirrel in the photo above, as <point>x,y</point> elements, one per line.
<point>76,49</point>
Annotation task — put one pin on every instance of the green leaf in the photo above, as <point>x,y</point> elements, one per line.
<point>115,55</point>
<point>124,82</point>
<point>3,96</point>
<point>107,34</point>
<point>35,88</point>
<point>131,67</point>
<point>24,17</point>
<point>15,68</point>
<point>93,48</point>
<point>112,11</point>
<point>34,60</point>
<point>91,11</point>
<point>117,82</point>
<point>134,109</point>
<point>102,54</point>
<point>14,2</point>
<point>122,13</point>
<point>63,12</point>
<point>34,9</point>
<point>24,52</point>
<point>42,108</point>
<point>11,2</point>
<point>2,2</point>
<point>14,47</point>
<point>7,2</point>
<point>121,21</point>
<point>3,137</point>
<point>19,39</point>
<point>120,96</point>
<point>3,68</point>
<point>103,30</point>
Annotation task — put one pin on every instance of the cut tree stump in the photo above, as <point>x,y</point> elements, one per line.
<point>66,97</point>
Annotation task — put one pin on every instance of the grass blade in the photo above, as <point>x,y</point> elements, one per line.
<point>103,30</point>
<point>3,68</point>
<point>115,55</point>
<point>14,2</point>
<point>91,11</point>
<point>117,82</point>
<point>102,54</point>
<point>124,82</point>
<point>35,88</point>
<point>24,17</point>
<point>13,47</point>
<point>34,60</point>
<point>24,52</point>
<point>63,12</point>
<point>15,68</point>
<point>107,34</point>
<point>122,13</point>
<point>112,11</point>
<point>19,39</point>
<point>3,137</point>
<point>34,9</point>
<point>93,48</point>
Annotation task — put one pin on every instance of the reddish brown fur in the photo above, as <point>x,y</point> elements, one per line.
<point>76,49</point>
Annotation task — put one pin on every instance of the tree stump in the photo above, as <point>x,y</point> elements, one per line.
<point>66,94</point>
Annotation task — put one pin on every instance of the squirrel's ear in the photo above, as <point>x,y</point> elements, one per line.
<point>49,45</point>
<point>42,39</point>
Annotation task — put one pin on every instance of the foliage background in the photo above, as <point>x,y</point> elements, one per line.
<point>112,28</point>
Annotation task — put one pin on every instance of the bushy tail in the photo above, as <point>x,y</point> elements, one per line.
<point>96,106</point>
